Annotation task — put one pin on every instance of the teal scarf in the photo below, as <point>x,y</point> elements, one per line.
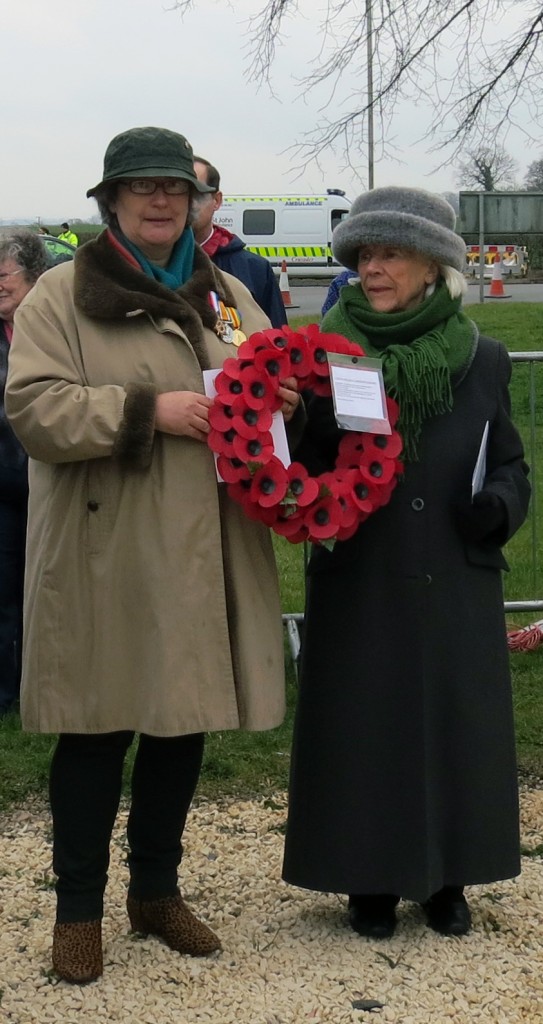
<point>179,268</point>
<point>425,351</point>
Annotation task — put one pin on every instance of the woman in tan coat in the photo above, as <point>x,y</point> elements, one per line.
<point>152,603</point>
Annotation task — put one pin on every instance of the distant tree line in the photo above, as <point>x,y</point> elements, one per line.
<point>492,169</point>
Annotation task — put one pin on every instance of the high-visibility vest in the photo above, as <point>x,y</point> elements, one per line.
<point>68,236</point>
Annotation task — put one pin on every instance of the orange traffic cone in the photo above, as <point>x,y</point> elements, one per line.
<point>496,284</point>
<point>284,287</point>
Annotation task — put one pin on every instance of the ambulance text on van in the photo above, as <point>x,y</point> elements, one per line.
<point>297,229</point>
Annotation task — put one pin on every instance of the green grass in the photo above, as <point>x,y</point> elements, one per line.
<point>257,763</point>
<point>520,327</point>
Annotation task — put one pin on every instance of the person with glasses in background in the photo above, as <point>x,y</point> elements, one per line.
<point>22,260</point>
<point>228,252</point>
<point>153,604</point>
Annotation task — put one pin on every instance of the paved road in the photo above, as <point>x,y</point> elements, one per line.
<point>308,299</point>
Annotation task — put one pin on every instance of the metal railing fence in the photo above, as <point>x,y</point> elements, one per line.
<point>532,359</point>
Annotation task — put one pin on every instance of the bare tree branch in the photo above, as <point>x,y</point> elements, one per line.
<point>476,81</point>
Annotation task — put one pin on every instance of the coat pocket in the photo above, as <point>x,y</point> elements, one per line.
<point>99,505</point>
<point>47,629</point>
<point>488,556</point>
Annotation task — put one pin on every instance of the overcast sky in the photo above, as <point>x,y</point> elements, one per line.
<point>74,73</point>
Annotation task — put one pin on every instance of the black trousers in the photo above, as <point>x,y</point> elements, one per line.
<point>85,789</point>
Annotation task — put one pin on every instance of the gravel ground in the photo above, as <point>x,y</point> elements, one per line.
<point>289,955</point>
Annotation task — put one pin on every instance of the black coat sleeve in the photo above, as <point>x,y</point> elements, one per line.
<point>507,471</point>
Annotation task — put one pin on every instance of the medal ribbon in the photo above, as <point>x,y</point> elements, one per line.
<point>228,314</point>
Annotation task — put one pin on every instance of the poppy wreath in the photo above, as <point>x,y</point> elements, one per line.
<point>320,509</point>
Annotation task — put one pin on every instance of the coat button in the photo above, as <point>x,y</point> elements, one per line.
<point>92,506</point>
<point>417,504</point>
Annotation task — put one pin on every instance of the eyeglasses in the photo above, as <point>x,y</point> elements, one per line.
<point>9,273</point>
<point>146,186</point>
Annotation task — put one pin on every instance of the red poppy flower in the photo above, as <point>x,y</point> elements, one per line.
<point>364,493</point>
<point>228,387</point>
<point>349,511</point>
<point>303,487</point>
<point>258,390</point>
<point>274,362</point>
<point>337,343</point>
<point>319,360</point>
<point>300,536</point>
<point>292,527</point>
<point>384,493</point>
<point>321,343</point>
<point>267,514</point>
<point>340,484</point>
<point>232,470</point>
<point>232,367</point>
<point>254,449</point>
<point>299,354</point>
<point>344,532</point>
<point>383,445</point>
<point>376,469</point>
<point>277,338</point>
<point>247,351</point>
<point>323,518</point>
<point>329,484</point>
<point>318,385</point>
<point>240,490</point>
<point>252,422</point>
<point>269,484</point>
<point>351,449</point>
<point>221,417</point>
<point>221,442</point>
<point>241,493</point>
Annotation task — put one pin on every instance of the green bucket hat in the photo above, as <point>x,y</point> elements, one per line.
<point>149,153</point>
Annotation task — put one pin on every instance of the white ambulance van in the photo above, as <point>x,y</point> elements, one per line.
<point>297,229</point>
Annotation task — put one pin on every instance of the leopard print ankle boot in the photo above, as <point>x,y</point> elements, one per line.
<point>171,920</point>
<point>77,951</point>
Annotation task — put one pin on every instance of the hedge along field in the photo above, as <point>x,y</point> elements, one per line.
<point>246,764</point>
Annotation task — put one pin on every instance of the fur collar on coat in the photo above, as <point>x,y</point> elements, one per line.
<point>107,287</point>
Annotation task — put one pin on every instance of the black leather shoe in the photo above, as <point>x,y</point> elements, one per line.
<point>448,912</point>
<point>373,916</point>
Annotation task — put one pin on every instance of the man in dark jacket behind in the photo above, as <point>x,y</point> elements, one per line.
<point>228,252</point>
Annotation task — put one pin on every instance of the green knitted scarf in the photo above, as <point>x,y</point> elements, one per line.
<point>425,352</point>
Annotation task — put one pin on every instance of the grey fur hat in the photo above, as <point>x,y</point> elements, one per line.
<point>406,217</point>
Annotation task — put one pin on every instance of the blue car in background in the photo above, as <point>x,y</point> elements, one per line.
<point>57,251</point>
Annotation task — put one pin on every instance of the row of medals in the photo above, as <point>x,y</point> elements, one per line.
<point>228,323</point>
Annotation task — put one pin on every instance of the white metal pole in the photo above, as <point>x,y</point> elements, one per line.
<point>481,247</point>
<point>369,45</point>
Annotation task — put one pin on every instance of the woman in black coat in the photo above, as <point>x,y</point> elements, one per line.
<point>22,260</point>
<point>403,780</point>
